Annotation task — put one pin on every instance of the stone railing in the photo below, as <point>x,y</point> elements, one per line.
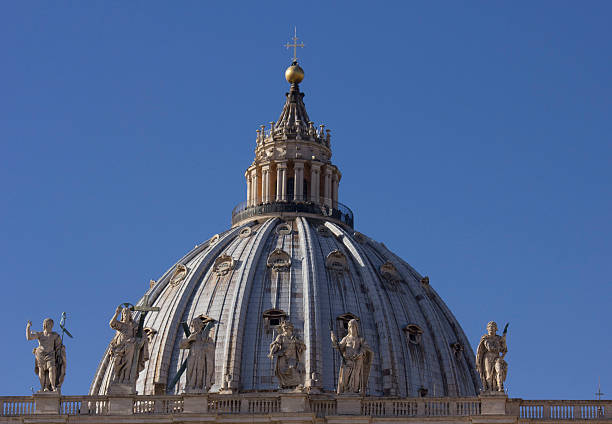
<point>420,407</point>
<point>315,406</point>
<point>562,410</point>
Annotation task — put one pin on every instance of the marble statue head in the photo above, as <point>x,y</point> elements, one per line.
<point>287,327</point>
<point>126,315</point>
<point>48,324</point>
<point>492,327</point>
<point>353,327</point>
<point>197,325</point>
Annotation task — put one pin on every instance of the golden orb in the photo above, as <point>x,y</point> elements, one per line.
<point>294,74</point>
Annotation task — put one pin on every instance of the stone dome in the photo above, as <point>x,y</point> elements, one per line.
<point>292,254</point>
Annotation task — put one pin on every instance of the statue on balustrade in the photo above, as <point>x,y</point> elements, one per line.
<point>288,349</point>
<point>201,359</point>
<point>50,356</point>
<point>490,361</point>
<point>356,360</point>
<point>128,352</point>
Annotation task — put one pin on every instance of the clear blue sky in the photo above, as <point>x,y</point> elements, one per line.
<point>474,140</point>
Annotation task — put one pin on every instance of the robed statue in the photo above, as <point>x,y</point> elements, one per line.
<point>50,356</point>
<point>128,350</point>
<point>201,359</point>
<point>490,361</point>
<point>288,348</point>
<point>356,360</point>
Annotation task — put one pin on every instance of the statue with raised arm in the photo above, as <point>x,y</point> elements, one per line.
<point>128,349</point>
<point>50,356</point>
<point>200,374</point>
<point>490,361</point>
<point>288,348</point>
<point>356,360</point>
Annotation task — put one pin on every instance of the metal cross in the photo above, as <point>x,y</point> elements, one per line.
<point>599,393</point>
<point>63,327</point>
<point>295,44</point>
<point>143,308</point>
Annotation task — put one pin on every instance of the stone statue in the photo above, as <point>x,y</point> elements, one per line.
<point>50,356</point>
<point>356,360</point>
<point>128,351</point>
<point>288,349</point>
<point>490,361</point>
<point>201,359</point>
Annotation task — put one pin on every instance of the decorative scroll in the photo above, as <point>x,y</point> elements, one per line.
<point>389,272</point>
<point>246,232</point>
<point>223,265</point>
<point>279,260</point>
<point>283,229</point>
<point>336,261</point>
<point>179,274</point>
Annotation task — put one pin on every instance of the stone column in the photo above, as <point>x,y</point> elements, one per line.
<point>265,184</point>
<point>298,184</point>
<point>249,190</point>
<point>327,187</point>
<point>335,183</point>
<point>281,182</point>
<point>315,182</point>
<point>255,193</point>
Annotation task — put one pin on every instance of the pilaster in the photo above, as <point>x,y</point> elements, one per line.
<point>315,181</point>
<point>281,182</point>
<point>298,185</point>
<point>327,187</point>
<point>254,184</point>
<point>265,183</point>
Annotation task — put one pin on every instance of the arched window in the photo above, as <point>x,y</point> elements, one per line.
<point>414,333</point>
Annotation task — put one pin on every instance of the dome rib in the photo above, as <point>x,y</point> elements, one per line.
<point>235,326</point>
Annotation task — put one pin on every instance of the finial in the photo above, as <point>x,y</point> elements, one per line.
<point>294,74</point>
<point>295,44</point>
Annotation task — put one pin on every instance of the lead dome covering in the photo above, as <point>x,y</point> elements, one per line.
<point>318,274</point>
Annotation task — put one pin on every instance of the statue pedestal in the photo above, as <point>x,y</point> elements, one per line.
<point>348,405</point>
<point>195,404</point>
<point>120,405</point>
<point>294,402</point>
<point>47,402</point>
<point>493,403</point>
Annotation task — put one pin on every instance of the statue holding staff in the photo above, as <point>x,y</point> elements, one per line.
<point>126,347</point>
<point>490,361</point>
<point>356,360</point>
<point>50,356</point>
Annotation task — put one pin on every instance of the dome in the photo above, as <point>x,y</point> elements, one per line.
<point>292,254</point>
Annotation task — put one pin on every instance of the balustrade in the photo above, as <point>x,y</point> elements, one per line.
<point>527,411</point>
